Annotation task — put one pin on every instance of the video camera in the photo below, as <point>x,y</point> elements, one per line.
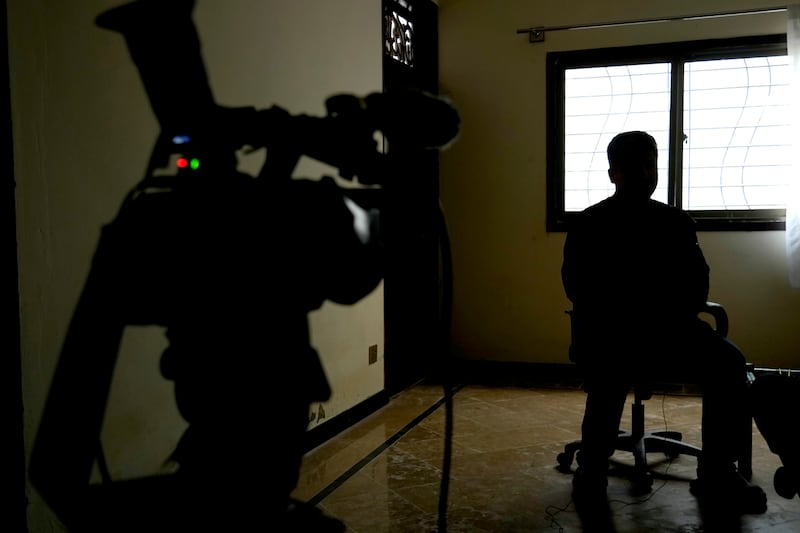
<point>164,45</point>
<point>192,258</point>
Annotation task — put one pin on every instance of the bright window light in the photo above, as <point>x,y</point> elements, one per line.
<point>719,110</point>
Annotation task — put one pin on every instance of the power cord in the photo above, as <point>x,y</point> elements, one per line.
<point>446,314</point>
<point>551,511</point>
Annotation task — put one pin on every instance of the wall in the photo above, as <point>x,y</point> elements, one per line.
<point>83,131</point>
<point>509,303</point>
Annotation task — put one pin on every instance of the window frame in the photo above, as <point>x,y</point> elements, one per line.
<point>558,219</point>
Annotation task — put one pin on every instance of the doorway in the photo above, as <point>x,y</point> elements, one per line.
<point>411,282</point>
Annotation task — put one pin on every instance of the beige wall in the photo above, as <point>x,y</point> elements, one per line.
<point>509,303</point>
<point>83,131</point>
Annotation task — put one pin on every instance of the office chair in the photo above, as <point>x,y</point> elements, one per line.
<point>640,442</point>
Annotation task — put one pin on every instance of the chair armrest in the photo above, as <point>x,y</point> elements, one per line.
<point>715,310</point>
<point>719,315</point>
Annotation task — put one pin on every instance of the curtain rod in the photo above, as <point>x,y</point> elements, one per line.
<point>536,35</point>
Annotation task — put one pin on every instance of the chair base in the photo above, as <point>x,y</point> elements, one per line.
<point>639,444</point>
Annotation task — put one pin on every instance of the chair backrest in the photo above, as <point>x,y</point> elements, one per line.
<point>713,309</point>
<point>643,391</point>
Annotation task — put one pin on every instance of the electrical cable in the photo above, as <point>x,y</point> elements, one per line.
<point>552,510</point>
<point>446,313</point>
<point>666,470</point>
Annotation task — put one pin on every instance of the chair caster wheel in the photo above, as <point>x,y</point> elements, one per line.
<point>785,484</point>
<point>642,484</point>
<point>564,462</point>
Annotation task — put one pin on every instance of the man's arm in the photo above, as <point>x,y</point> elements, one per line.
<point>695,269</point>
<point>572,275</point>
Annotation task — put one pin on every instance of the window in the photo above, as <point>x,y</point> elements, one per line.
<point>718,110</point>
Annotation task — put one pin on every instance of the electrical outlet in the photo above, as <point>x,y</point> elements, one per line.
<point>373,354</point>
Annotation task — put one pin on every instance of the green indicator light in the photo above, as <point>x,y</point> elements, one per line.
<point>194,163</point>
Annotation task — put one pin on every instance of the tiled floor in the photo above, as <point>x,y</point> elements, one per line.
<point>385,473</point>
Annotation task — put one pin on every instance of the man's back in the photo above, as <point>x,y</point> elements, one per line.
<point>622,258</point>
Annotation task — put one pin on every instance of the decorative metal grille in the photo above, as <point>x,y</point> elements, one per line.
<point>399,38</point>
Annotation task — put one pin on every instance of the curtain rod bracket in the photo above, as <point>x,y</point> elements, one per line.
<point>535,35</point>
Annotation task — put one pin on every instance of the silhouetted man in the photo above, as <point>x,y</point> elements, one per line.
<point>637,279</point>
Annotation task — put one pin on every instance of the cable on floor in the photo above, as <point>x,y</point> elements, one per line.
<point>446,314</point>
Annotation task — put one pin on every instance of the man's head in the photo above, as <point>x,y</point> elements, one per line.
<point>633,164</point>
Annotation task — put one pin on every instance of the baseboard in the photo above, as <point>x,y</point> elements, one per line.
<point>551,375</point>
<point>489,373</point>
<point>460,372</point>
<point>324,432</point>
<point>509,373</point>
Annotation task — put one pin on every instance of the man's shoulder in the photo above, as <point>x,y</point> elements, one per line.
<point>599,208</point>
<point>593,216</point>
<point>655,204</point>
<point>609,210</point>
<point>670,211</point>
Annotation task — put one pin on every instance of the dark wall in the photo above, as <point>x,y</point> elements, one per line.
<point>12,516</point>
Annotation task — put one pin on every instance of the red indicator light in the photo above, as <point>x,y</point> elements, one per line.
<point>182,162</point>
